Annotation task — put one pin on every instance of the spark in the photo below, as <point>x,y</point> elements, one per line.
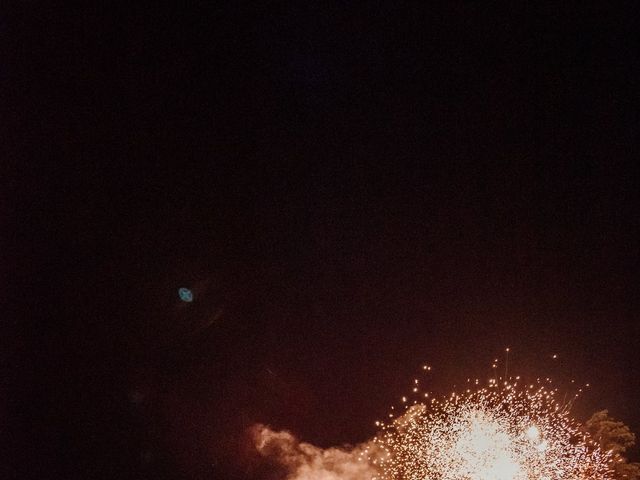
<point>498,432</point>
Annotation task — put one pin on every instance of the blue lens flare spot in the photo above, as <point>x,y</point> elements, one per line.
<point>185,294</point>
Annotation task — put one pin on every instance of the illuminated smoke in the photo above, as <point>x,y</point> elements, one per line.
<point>308,462</point>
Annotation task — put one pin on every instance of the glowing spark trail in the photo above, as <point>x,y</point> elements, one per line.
<point>501,432</point>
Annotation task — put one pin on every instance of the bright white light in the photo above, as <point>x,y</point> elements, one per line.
<point>533,433</point>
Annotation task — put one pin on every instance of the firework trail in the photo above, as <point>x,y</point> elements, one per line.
<point>506,430</point>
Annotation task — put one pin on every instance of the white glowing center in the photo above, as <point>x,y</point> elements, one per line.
<point>484,450</point>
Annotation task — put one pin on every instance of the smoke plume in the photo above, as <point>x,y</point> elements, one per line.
<point>304,461</point>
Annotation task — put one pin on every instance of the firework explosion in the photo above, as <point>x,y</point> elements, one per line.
<point>505,431</point>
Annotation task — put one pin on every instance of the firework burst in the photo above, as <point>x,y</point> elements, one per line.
<point>504,431</point>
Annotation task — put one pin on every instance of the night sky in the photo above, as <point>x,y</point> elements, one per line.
<point>349,192</point>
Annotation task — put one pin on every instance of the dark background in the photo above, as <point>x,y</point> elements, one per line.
<point>349,191</point>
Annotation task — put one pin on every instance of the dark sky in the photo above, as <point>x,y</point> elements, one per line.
<point>349,192</point>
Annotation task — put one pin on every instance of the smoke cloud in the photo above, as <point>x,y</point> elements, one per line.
<point>304,461</point>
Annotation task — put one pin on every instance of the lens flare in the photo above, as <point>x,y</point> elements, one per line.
<point>185,294</point>
<point>501,432</point>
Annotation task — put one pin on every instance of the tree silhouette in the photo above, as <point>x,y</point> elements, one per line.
<point>615,437</point>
